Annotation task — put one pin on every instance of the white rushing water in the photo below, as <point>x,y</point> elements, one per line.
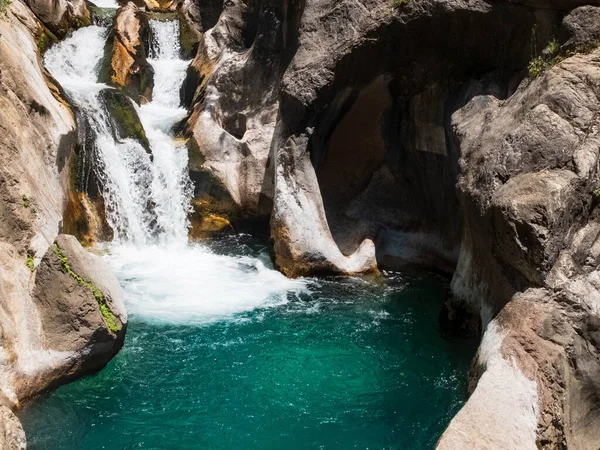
<point>112,4</point>
<point>147,198</point>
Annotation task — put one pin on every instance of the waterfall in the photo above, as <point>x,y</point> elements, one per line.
<point>147,199</point>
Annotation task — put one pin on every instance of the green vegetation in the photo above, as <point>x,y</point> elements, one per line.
<point>4,6</point>
<point>596,193</point>
<point>400,2</point>
<point>44,39</point>
<point>29,261</point>
<point>26,201</point>
<point>109,317</point>
<point>549,57</point>
<point>552,54</point>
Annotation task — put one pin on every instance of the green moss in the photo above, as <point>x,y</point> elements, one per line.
<point>29,262</point>
<point>26,201</point>
<point>44,39</point>
<point>124,117</point>
<point>107,314</point>
<point>400,2</point>
<point>596,193</point>
<point>4,6</point>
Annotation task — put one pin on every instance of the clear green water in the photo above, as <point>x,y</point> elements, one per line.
<point>352,364</point>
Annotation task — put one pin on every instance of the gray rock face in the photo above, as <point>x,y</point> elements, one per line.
<point>81,308</point>
<point>394,144</point>
<point>235,103</point>
<point>581,27</point>
<point>527,265</point>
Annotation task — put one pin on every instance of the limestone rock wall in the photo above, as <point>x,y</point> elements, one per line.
<point>38,136</point>
<point>395,143</point>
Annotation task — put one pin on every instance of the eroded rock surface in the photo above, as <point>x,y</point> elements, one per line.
<point>61,15</point>
<point>392,144</point>
<point>126,66</point>
<point>528,266</point>
<point>38,138</point>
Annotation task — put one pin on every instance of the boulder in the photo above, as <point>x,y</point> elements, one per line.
<point>125,65</point>
<point>62,15</point>
<point>81,309</point>
<point>581,28</point>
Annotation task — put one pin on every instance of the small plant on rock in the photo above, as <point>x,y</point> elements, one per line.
<point>4,6</point>
<point>29,261</point>
<point>26,201</point>
<point>550,56</point>
<point>400,2</point>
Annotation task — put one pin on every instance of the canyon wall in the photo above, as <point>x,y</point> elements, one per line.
<point>455,135</point>
<point>52,326</point>
<point>460,136</point>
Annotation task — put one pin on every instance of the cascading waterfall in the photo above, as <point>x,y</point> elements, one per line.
<point>147,197</point>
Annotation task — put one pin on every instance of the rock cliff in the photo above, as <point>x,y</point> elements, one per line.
<point>456,135</point>
<point>38,138</point>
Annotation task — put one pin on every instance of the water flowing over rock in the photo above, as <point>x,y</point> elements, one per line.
<point>373,134</point>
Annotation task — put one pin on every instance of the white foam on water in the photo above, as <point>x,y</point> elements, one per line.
<point>191,285</point>
<point>164,278</point>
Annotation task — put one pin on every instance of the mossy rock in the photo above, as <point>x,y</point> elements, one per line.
<point>124,117</point>
<point>44,39</point>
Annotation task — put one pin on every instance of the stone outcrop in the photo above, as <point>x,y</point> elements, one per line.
<point>61,15</point>
<point>125,65</point>
<point>384,167</point>
<point>528,263</point>
<point>81,309</point>
<point>233,87</point>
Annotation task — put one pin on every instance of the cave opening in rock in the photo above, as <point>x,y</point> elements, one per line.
<point>387,171</point>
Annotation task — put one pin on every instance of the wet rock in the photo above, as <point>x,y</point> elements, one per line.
<point>124,117</point>
<point>125,65</point>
